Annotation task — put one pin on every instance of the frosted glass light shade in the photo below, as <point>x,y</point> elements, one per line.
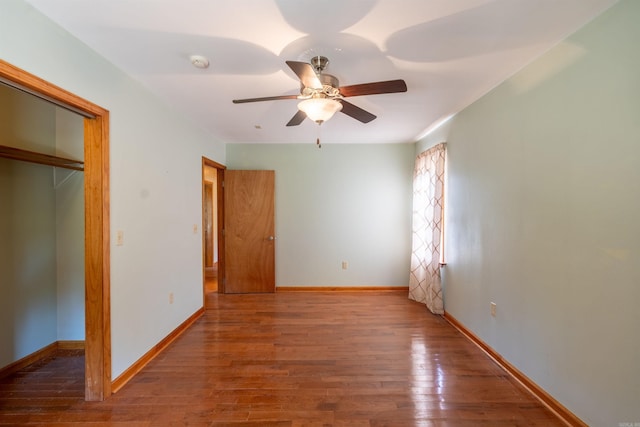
<point>320,109</point>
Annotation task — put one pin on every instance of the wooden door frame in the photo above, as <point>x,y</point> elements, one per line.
<point>220,168</point>
<point>97,244</point>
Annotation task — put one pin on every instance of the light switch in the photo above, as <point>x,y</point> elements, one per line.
<point>119,238</point>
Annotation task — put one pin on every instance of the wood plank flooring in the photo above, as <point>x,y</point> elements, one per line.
<point>291,360</point>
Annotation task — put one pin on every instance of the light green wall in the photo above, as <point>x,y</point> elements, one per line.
<point>339,203</point>
<point>543,207</point>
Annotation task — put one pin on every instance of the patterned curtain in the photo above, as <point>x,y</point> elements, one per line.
<point>425,284</point>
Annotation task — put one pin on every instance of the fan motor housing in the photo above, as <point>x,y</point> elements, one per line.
<point>329,80</point>
<point>330,87</point>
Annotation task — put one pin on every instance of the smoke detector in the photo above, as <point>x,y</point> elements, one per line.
<point>199,61</point>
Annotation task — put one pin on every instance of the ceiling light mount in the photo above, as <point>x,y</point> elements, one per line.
<point>319,63</point>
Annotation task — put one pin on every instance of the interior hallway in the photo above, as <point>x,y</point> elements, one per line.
<point>292,359</point>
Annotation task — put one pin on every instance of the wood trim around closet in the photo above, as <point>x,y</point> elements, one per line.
<point>96,193</point>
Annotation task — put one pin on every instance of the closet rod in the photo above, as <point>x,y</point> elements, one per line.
<point>39,158</point>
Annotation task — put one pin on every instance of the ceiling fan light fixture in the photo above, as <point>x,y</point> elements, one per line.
<point>320,109</point>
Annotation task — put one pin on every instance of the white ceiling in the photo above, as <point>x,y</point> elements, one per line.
<point>449,52</point>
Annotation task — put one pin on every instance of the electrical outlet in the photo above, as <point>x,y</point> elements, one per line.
<point>195,228</point>
<point>119,238</point>
<point>171,298</point>
<point>493,309</point>
<point>345,265</point>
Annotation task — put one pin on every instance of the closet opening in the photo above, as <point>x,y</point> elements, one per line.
<point>54,219</point>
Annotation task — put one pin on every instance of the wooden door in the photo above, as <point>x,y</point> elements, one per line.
<point>249,231</point>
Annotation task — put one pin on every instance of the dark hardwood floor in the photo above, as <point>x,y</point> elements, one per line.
<point>292,359</point>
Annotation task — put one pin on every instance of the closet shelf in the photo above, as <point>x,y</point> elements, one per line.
<point>42,159</point>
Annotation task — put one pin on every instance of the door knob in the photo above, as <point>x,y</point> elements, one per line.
<point>271,238</point>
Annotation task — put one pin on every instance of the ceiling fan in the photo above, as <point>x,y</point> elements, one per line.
<point>322,96</point>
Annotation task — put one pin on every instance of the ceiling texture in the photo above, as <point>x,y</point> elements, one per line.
<point>449,52</point>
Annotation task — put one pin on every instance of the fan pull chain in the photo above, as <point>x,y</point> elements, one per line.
<point>319,135</point>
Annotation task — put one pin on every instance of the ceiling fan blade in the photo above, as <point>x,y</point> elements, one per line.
<point>297,119</point>
<point>356,112</point>
<point>305,73</point>
<point>374,88</point>
<point>266,98</point>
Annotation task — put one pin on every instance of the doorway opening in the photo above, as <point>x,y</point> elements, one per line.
<point>96,212</point>
<point>212,226</point>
